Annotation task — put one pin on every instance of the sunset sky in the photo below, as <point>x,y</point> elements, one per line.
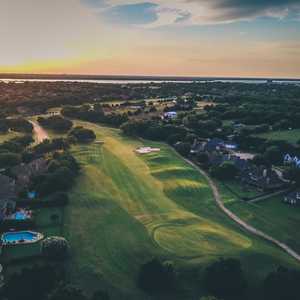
<point>155,37</point>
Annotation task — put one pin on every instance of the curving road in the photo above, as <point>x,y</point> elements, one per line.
<point>39,133</point>
<point>239,221</point>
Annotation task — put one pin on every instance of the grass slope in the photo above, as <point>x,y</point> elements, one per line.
<point>126,208</point>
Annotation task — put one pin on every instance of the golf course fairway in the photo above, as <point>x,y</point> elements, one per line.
<point>127,208</point>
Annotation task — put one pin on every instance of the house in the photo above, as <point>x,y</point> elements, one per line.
<point>292,198</point>
<point>289,160</point>
<point>24,172</point>
<point>214,144</point>
<point>7,195</point>
<point>197,146</point>
<point>264,179</point>
<point>231,146</point>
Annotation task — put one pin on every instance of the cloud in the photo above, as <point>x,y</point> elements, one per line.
<point>139,13</point>
<point>235,10</point>
<point>193,12</point>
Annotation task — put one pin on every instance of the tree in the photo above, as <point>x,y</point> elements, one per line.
<point>209,298</point>
<point>202,158</point>
<point>67,292</point>
<point>55,248</point>
<point>60,180</point>
<point>225,279</point>
<point>20,124</point>
<point>260,160</point>
<point>293,174</point>
<point>83,135</point>
<point>283,284</point>
<point>156,277</point>
<point>226,171</point>
<point>100,295</point>
<point>56,123</point>
<point>183,148</point>
<point>273,155</point>
<point>8,160</point>
<point>33,284</point>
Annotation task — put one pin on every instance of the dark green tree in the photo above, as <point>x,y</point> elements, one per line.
<point>225,279</point>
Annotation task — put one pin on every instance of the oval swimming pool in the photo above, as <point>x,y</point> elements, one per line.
<point>20,237</point>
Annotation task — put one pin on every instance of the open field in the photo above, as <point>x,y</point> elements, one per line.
<point>271,216</point>
<point>126,208</point>
<point>292,136</point>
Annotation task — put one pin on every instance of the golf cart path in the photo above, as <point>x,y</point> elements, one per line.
<point>239,221</point>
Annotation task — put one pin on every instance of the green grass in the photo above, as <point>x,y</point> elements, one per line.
<point>242,191</point>
<point>291,136</point>
<point>46,226</point>
<point>10,135</point>
<point>127,208</point>
<point>271,216</point>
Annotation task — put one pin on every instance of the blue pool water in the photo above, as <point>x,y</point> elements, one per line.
<point>10,237</point>
<point>20,215</point>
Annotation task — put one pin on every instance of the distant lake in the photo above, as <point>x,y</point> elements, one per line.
<point>136,81</point>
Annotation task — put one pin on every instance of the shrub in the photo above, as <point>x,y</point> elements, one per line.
<point>56,123</point>
<point>282,284</point>
<point>155,277</point>
<point>225,279</point>
<point>55,248</point>
<point>225,171</point>
<point>83,135</point>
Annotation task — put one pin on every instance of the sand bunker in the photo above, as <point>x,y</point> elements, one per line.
<point>145,150</point>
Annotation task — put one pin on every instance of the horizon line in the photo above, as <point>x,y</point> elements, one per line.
<point>5,75</point>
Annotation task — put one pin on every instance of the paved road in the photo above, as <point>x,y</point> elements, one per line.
<point>39,133</point>
<point>239,221</point>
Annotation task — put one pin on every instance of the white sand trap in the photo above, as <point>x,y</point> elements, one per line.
<point>145,150</point>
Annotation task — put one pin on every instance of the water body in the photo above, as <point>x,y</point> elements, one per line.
<point>142,81</point>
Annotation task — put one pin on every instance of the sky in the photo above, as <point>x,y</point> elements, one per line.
<point>234,38</point>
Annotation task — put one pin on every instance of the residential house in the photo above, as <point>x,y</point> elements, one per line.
<point>264,179</point>
<point>7,195</point>
<point>292,198</point>
<point>289,160</point>
<point>211,145</point>
<point>24,172</point>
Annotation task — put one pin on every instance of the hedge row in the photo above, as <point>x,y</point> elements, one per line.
<point>57,199</point>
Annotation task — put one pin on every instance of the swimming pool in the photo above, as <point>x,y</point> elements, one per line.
<point>20,215</point>
<point>21,237</point>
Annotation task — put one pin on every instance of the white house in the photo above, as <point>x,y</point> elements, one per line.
<point>288,159</point>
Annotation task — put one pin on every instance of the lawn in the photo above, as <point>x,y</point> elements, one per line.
<point>291,136</point>
<point>126,208</point>
<point>271,216</point>
<point>7,136</point>
<point>45,225</point>
<point>242,191</point>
